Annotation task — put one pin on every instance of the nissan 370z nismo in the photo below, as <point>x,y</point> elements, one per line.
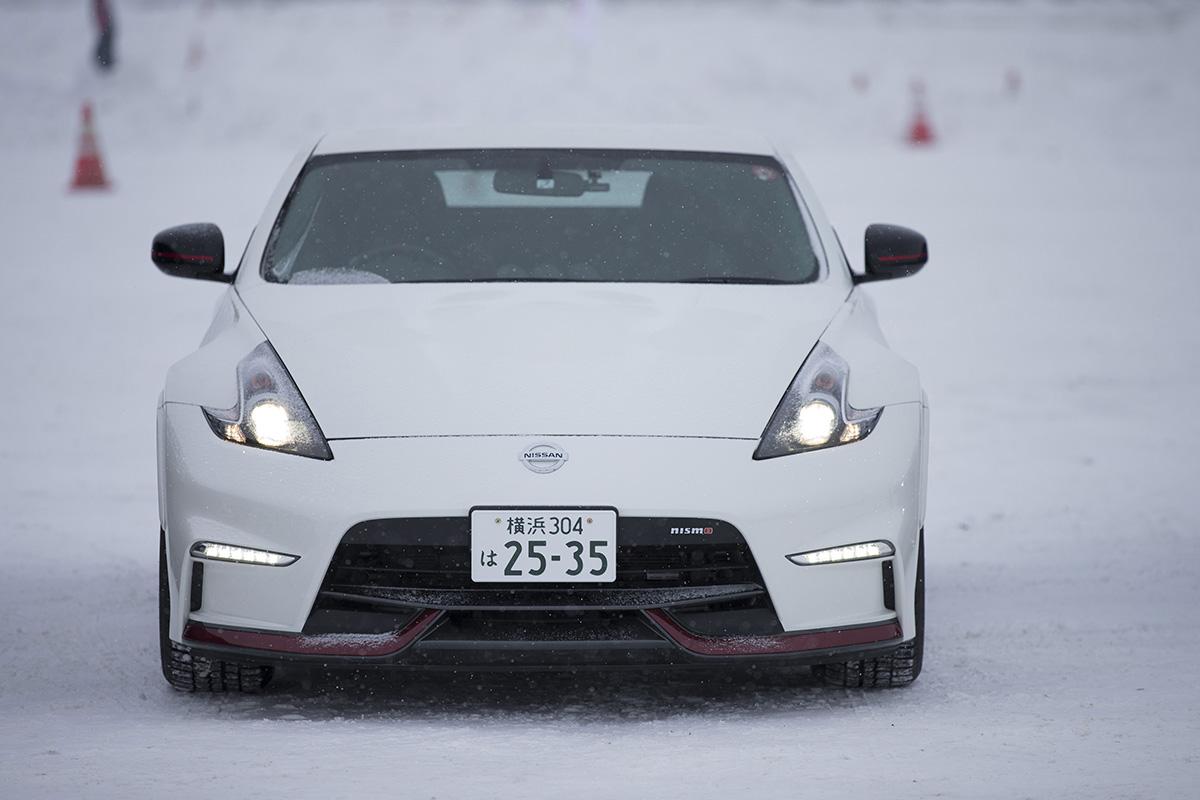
<point>541,398</point>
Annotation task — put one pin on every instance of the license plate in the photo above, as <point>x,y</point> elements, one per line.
<point>543,546</point>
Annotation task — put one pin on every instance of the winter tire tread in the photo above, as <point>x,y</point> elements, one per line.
<point>188,672</point>
<point>898,668</point>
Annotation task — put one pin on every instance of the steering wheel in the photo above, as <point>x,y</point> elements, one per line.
<point>407,255</point>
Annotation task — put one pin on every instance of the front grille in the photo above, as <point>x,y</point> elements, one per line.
<point>434,553</point>
<point>390,567</point>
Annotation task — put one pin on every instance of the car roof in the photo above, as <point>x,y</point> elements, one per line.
<point>589,137</point>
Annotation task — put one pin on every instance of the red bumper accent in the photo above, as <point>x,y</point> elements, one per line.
<point>334,644</point>
<point>767,645</point>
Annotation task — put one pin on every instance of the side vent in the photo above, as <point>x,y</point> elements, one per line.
<point>196,595</point>
<point>889,586</point>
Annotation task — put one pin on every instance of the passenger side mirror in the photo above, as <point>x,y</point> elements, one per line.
<point>892,252</point>
<point>191,251</point>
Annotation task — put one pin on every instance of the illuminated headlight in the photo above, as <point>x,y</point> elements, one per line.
<point>271,424</point>
<point>814,412</point>
<point>849,552</point>
<point>215,551</point>
<point>814,423</point>
<point>270,412</point>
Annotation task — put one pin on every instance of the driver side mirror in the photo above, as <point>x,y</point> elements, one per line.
<point>191,251</point>
<point>892,252</point>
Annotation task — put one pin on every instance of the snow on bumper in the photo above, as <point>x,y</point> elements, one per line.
<point>223,492</point>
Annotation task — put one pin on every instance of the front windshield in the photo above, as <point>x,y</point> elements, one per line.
<point>541,215</point>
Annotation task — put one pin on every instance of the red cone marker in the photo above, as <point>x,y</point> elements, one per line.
<point>920,133</point>
<point>89,167</point>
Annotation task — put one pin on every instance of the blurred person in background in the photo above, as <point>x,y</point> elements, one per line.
<point>106,58</point>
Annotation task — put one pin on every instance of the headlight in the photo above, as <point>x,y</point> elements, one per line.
<point>270,412</point>
<point>814,413</point>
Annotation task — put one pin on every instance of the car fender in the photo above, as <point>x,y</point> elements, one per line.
<point>878,376</point>
<point>208,376</point>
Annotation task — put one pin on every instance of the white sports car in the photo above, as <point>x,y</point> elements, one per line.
<point>541,399</point>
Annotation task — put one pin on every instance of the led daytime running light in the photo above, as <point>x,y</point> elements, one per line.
<point>215,551</point>
<point>839,555</point>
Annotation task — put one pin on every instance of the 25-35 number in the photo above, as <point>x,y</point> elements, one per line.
<point>532,549</point>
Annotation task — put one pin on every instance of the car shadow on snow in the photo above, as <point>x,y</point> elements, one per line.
<point>585,695</point>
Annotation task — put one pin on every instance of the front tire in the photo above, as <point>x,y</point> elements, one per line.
<point>187,672</point>
<point>900,667</point>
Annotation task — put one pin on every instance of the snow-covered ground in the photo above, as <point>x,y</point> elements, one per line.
<point>1056,329</point>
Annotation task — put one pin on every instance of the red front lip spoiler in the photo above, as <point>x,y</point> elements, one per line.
<point>768,645</point>
<point>389,644</point>
<point>335,644</point>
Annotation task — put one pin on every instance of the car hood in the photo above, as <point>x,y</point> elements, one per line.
<point>543,359</point>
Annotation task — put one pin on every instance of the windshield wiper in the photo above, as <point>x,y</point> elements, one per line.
<point>732,279</point>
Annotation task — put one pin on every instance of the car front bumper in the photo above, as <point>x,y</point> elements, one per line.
<point>217,491</point>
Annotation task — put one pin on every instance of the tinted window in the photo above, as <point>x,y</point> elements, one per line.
<point>541,215</point>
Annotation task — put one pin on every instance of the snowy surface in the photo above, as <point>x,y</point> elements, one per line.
<point>1056,328</point>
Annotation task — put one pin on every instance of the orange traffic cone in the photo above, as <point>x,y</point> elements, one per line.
<point>921,132</point>
<point>89,167</point>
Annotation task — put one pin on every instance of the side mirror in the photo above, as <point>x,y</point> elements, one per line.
<point>892,252</point>
<point>191,251</point>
